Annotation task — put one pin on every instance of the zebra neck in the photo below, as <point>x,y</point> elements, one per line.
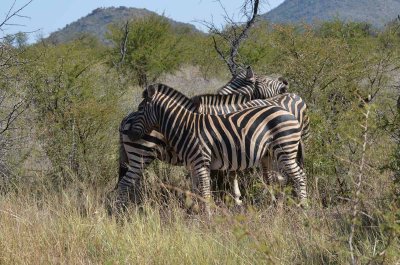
<point>246,91</point>
<point>176,123</point>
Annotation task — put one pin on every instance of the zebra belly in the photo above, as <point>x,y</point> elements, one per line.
<point>238,159</point>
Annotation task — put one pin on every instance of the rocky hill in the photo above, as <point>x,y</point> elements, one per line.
<point>97,21</point>
<point>375,12</point>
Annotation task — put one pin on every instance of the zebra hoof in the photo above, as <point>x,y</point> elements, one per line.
<point>238,202</point>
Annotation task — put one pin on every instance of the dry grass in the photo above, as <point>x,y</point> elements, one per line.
<point>67,228</point>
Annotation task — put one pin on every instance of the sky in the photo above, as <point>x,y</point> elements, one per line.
<point>46,16</point>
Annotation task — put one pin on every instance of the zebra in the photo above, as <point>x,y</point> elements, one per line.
<point>233,141</point>
<point>135,156</point>
<point>215,104</point>
<point>138,154</point>
<point>266,87</point>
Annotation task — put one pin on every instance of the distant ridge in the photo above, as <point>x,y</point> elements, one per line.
<point>97,21</point>
<point>375,12</point>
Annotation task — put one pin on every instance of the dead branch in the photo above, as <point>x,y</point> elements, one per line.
<point>11,14</point>
<point>398,101</point>
<point>16,110</point>
<point>124,43</point>
<point>235,34</point>
<point>358,185</point>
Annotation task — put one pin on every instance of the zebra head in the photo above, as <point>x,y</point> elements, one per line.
<point>243,83</point>
<point>144,120</point>
<point>267,87</point>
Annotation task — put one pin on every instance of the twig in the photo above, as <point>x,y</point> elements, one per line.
<point>123,45</point>
<point>358,186</point>
<point>14,14</point>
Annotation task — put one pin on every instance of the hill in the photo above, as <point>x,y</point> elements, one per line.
<point>375,12</point>
<point>97,21</point>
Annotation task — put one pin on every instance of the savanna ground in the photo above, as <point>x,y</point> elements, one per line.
<point>59,156</point>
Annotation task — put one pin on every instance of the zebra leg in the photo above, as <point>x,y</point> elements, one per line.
<point>201,178</point>
<point>236,191</point>
<point>294,172</point>
<point>129,189</point>
<point>266,165</point>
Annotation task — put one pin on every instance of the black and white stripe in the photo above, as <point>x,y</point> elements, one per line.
<point>233,141</point>
<point>263,86</point>
<point>135,156</point>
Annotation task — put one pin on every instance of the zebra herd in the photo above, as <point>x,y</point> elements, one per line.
<point>250,121</point>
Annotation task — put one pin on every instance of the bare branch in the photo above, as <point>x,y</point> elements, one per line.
<point>10,14</point>
<point>123,45</point>
<point>358,186</point>
<point>12,116</point>
<point>221,54</point>
<point>124,42</point>
<point>234,33</point>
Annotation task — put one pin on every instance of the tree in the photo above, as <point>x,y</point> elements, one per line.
<point>21,39</point>
<point>75,109</point>
<point>147,47</point>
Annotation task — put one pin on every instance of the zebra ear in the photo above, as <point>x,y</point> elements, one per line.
<point>249,74</point>
<point>149,92</point>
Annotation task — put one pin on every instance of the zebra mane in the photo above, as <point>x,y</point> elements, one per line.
<point>174,95</point>
<point>220,100</point>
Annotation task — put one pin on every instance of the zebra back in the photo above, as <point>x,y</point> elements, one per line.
<point>216,104</point>
<point>223,104</point>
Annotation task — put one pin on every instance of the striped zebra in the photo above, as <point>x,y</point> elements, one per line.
<point>230,142</point>
<point>219,104</point>
<point>135,156</point>
<point>139,154</point>
<point>265,88</point>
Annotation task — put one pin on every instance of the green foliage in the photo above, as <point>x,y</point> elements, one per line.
<point>333,75</point>
<point>151,48</point>
<point>346,30</point>
<point>256,50</point>
<point>76,111</point>
<point>198,50</point>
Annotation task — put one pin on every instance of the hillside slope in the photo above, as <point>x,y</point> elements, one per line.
<point>97,21</point>
<point>376,12</point>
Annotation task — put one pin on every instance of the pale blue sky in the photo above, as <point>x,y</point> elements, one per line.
<point>49,15</point>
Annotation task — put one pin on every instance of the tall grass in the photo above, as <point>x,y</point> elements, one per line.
<point>71,227</point>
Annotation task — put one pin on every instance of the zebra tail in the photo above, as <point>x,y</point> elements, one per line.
<point>301,154</point>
